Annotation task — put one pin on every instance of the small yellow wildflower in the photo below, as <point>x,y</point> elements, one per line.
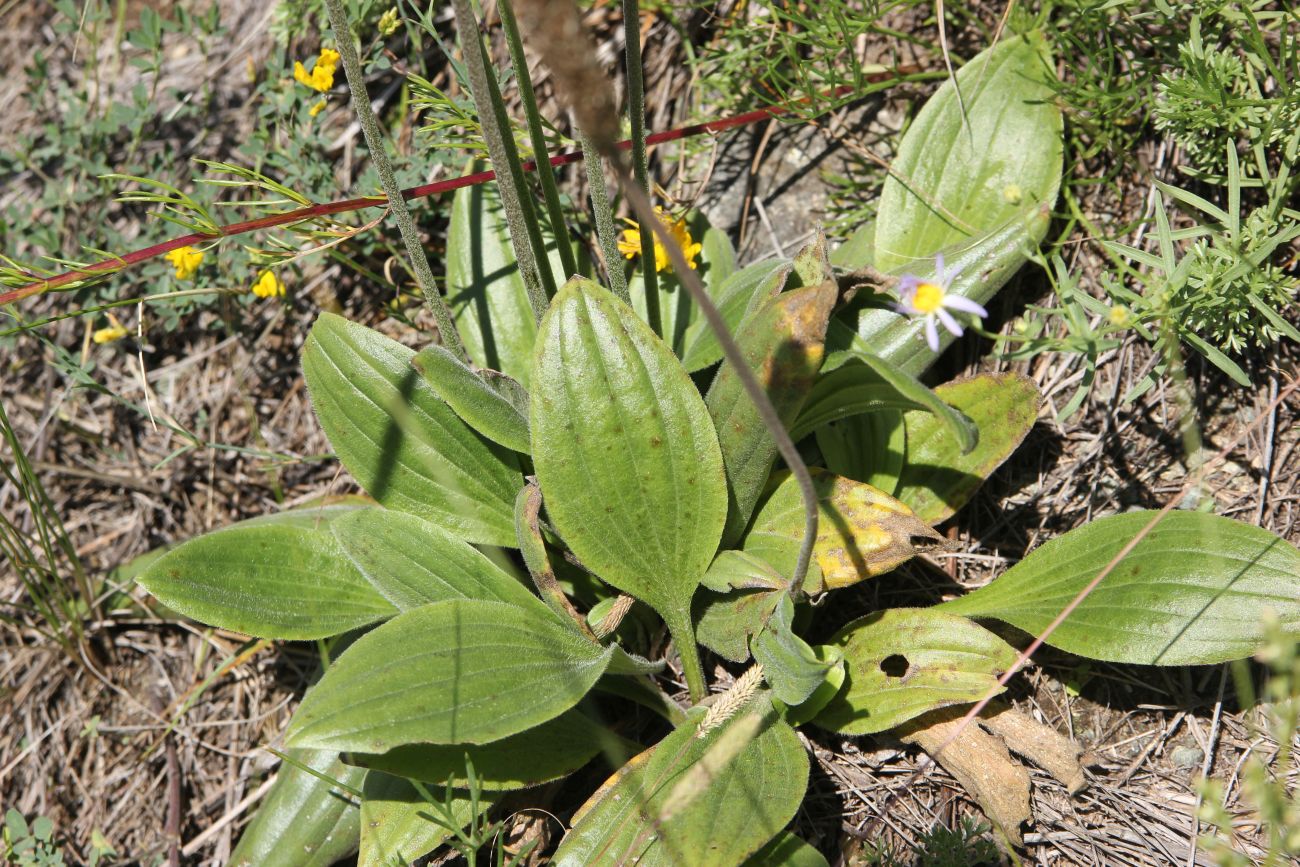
<point>389,22</point>
<point>629,244</point>
<point>186,260</point>
<point>115,331</point>
<point>1119,316</point>
<point>1012,194</point>
<point>268,285</point>
<point>321,77</point>
<point>317,108</point>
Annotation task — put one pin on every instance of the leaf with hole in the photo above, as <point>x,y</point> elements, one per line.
<point>462,671</point>
<point>412,562</point>
<point>1193,591</point>
<point>625,452</point>
<point>938,479</point>
<point>269,578</point>
<point>726,816</point>
<point>398,439</point>
<point>904,662</point>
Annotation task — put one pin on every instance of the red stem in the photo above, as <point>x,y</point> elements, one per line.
<point>313,211</point>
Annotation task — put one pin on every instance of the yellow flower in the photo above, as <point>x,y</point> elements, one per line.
<point>389,22</point>
<point>1119,316</point>
<point>629,244</point>
<point>317,108</point>
<point>115,331</point>
<point>268,285</point>
<point>321,77</point>
<point>186,260</point>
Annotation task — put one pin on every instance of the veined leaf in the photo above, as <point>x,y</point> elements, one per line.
<point>861,533</point>
<point>737,296</point>
<point>870,447</point>
<point>397,438</point>
<point>737,808</point>
<point>1193,591</point>
<point>938,479</point>
<point>478,404</point>
<point>877,383</point>
<point>303,821</point>
<point>462,671</point>
<point>971,163</point>
<point>268,578</point>
<point>412,562</point>
<point>397,822</point>
<point>538,755</point>
<point>625,452</point>
<point>485,290</point>
<point>782,343</point>
<point>904,662</point>
<point>790,665</point>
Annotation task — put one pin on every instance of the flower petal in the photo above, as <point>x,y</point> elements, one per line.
<point>954,328</point>
<point>931,334</point>
<point>965,305</point>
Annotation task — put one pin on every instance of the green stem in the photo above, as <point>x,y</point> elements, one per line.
<point>541,156</point>
<point>679,627</point>
<point>605,230</point>
<point>636,113</point>
<point>509,173</point>
<point>379,154</point>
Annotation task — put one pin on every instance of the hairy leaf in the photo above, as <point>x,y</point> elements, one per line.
<point>938,479</point>
<point>455,672</point>
<point>397,824</point>
<point>397,438</point>
<point>782,343</point>
<point>479,404</point>
<point>273,579</point>
<point>1193,591</point>
<point>412,562</point>
<point>625,453</point>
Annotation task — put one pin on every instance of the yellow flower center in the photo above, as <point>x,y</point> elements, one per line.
<point>928,298</point>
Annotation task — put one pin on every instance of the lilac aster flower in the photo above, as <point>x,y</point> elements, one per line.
<point>918,297</point>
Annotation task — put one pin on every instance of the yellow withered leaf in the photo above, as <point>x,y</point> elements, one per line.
<point>861,531</point>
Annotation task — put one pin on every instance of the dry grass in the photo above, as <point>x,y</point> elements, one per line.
<point>155,737</point>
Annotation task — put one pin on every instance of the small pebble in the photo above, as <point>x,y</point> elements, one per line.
<point>1186,758</point>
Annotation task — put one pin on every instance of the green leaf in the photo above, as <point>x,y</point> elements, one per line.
<point>269,579</point>
<point>303,821</point>
<point>397,823</point>
<point>725,622</point>
<point>904,662</point>
<point>861,532</point>
<point>479,405</point>
<point>733,812</point>
<point>625,452</point>
<point>484,287</point>
<point>718,254</point>
<point>856,388</point>
<point>938,479</point>
<point>412,562</point>
<point>870,447</point>
<point>782,343</point>
<point>546,752</point>
<point>790,666</point>
<point>787,850</point>
<point>807,710</point>
<point>737,297</point>
<point>956,177</point>
<point>1193,591</point>
<point>401,443</point>
<point>454,672</point>
<point>858,250</point>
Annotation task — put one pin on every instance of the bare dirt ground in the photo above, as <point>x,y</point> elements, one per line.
<point>155,736</point>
